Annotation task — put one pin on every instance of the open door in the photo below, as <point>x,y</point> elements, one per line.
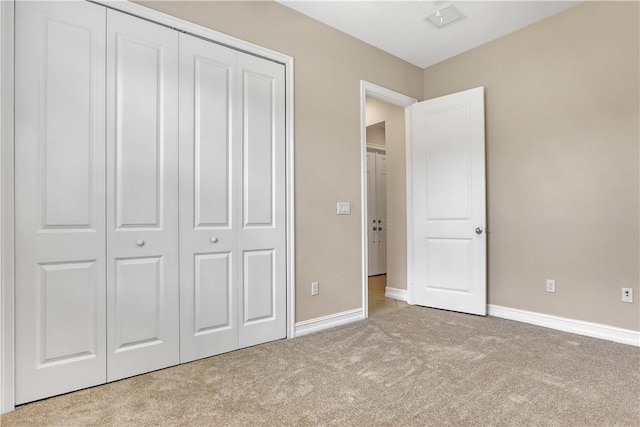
<point>448,203</point>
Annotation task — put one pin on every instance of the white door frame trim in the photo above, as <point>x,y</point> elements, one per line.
<point>395,98</point>
<point>7,284</point>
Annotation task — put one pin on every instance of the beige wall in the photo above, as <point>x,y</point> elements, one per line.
<point>328,68</point>
<point>393,116</point>
<point>562,126</point>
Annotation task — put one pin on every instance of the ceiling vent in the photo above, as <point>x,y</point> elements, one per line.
<point>445,17</point>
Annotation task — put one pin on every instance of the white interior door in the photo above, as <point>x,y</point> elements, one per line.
<point>209,177</point>
<point>448,203</point>
<point>261,215</point>
<point>142,196</point>
<point>60,198</point>
<point>376,212</point>
<point>372,219</point>
<point>381,210</point>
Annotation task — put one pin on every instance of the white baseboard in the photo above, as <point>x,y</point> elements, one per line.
<point>395,293</point>
<point>595,330</point>
<point>320,323</point>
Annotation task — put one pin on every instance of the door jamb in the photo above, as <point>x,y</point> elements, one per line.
<point>391,97</point>
<point>7,249</point>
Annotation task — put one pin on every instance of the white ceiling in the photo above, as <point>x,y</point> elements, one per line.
<point>398,27</point>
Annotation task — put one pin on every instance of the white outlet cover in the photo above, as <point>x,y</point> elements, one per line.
<point>344,208</point>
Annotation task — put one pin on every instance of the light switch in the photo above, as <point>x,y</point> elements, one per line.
<point>344,208</point>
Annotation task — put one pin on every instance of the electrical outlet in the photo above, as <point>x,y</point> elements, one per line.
<point>314,288</point>
<point>551,285</point>
<point>627,295</point>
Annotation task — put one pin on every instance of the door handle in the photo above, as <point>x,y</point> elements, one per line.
<point>380,228</point>
<point>140,242</point>
<point>478,230</point>
<point>375,228</point>
<point>214,239</point>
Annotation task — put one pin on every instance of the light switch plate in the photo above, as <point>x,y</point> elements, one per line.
<point>344,208</point>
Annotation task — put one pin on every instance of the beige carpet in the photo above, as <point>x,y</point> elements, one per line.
<point>410,367</point>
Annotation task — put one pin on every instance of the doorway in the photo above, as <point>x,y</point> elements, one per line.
<point>383,138</point>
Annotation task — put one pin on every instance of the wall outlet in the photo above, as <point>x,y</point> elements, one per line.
<point>314,288</point>
<point>627,295</point>
<point>551,285</point>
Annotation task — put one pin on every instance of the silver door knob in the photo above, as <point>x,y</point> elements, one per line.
<point>214,239</point>
<point>478,230</point>
<point>140,242</point>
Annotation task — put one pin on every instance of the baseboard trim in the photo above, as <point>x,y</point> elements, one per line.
<point>594,330</point>
<point>325,322</point>
<point>395,293</point>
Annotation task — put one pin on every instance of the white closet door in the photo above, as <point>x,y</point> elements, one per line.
<point>261,217</point>
<point>59,183</point>
<point>208,176</point>
<point>381,210</point>
<point>372,218</point>
<point>142,196</point>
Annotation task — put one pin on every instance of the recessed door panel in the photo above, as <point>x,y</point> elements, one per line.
<point>67,153</point>
<point>60,203</point>
<point>213,288</point>
<point>212,142</point>
<point>447,163</point>
<point>142,196</point>
<point>138,122</point>
<point>138,301</point>
<point>208,266</point>
<point>258,116</point>
<point>259,286</point>
<point>448,264</point>
<point>68,312</point>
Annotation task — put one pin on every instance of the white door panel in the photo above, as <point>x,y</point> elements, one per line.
<point>261,234</point>
<point>208,293</point>
<point>142,193</point>
<point>448,199</point>
<point>59,184</point>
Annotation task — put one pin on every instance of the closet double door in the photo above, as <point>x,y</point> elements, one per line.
<point>149,198</point>
<point>376,211</point>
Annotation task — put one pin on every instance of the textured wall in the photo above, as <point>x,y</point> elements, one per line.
<point>562,126</point>
<point>328,68</point>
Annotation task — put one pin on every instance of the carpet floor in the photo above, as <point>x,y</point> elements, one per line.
<point>411,367</point>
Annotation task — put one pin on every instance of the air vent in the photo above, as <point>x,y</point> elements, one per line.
<point>445,17</point>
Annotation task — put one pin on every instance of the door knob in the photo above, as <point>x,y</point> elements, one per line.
<point>375,228</point>
<point>379,221</point>
<point>380,228</point>
<point>214,239</point>
<point>478,230</point>
<point>140,242</point>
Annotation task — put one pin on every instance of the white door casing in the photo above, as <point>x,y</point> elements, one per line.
<point>60,187</point>
<point>142,196</point>
<point>448,202</point>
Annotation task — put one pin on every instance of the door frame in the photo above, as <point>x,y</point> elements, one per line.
<point>387,95</point>
<point>7,249</point>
